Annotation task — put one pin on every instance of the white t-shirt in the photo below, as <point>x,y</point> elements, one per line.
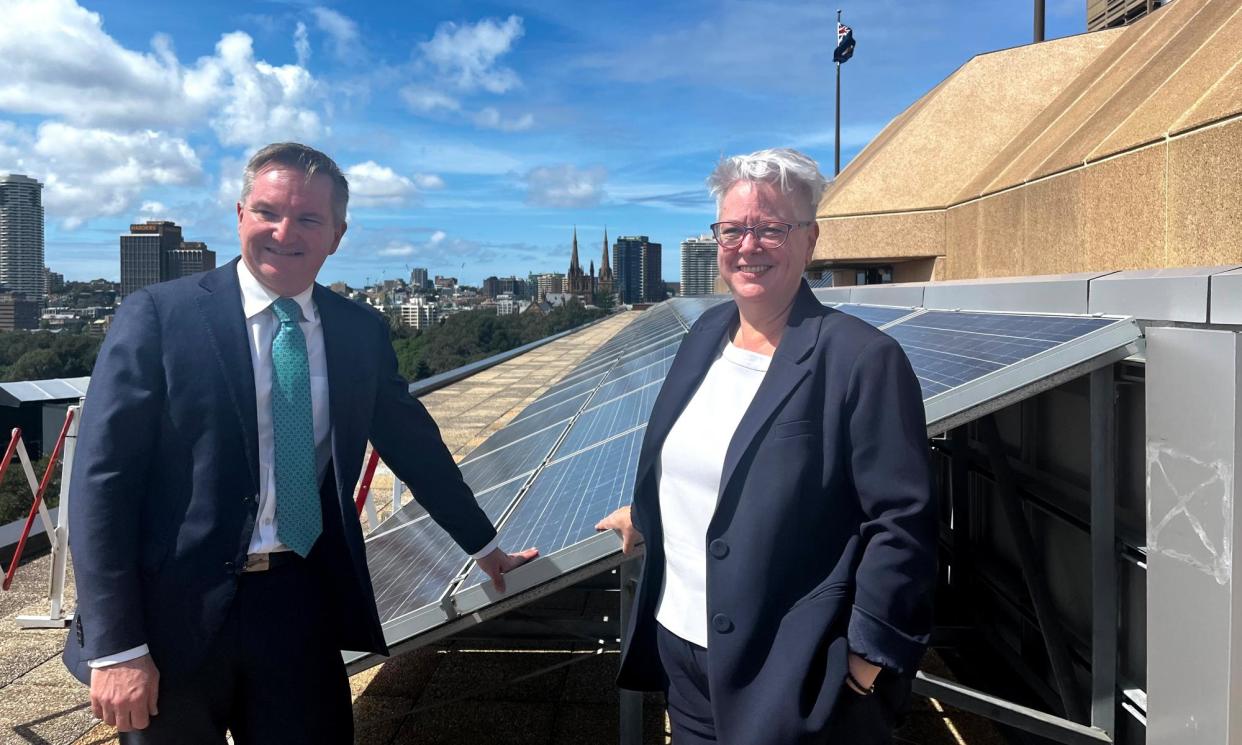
<point>691,464</point>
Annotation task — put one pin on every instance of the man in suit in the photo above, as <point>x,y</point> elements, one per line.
<point>219,561</point>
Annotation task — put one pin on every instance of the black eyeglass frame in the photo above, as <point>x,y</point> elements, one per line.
<point>789,228</point>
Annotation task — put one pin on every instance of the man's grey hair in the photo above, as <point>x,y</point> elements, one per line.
<point>309,161</point>
<point>794,172</point>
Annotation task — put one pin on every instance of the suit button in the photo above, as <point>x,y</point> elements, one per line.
<point>228,567</point>
<point>719,548</point>
<point>721,623</point>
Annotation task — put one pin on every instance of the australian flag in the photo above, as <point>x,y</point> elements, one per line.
<point>845,43</point>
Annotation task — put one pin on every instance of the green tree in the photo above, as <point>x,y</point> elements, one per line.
<point>15,494</point>
<point>37,364</point>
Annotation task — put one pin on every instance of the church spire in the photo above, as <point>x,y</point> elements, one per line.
<point>603,267</point>
<point>574,266</point>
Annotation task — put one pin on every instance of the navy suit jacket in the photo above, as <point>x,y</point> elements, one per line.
<point>824,536</point>
<point>165,480</point>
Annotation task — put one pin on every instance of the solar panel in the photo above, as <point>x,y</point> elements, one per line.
<point>559,394</point>
<point>635,375</point>
<point>413,563</point>
<point>570,495</point>
<point>498,465</point>
<point>618,415</point>
<point>876,315</point>
<point>595,417</point>
<point>967,359</point>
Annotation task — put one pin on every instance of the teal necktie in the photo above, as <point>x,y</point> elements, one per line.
<point>298,518</point>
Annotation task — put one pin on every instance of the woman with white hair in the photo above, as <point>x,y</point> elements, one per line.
<point>783,490</point>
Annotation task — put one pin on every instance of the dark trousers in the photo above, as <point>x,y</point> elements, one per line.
<point>273,676</point>
<point>689,700</point>
<point>856,720</point>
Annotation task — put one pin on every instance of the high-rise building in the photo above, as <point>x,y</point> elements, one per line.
<point>1112,13</point>
<point>418,278</point>
<point>191,258</point>
<point>490,287</point>
<point>17,311</point>
<point>155,252</point>
<point>420,313</point>
<point>55,280</point>
<point>21,237</point>
<point>142,253</point>
<point>637,260</point>
<point>698,266</point>
<point>548,283</point>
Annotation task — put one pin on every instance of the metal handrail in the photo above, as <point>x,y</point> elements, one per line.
<point>365,487</point>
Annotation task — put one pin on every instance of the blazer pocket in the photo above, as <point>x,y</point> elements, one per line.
<point>796,428</point>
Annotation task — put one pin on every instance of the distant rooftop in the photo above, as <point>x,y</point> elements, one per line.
<point>32,391</point>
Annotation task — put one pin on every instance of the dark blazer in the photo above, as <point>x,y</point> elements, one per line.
<point>165,480</point>
<point>823,538</point>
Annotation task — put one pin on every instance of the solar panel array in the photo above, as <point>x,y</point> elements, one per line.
<point>569,458</point>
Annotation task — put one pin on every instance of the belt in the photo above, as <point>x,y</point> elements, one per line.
<point>264,562</point>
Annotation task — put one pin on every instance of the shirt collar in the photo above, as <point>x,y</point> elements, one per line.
<point>257,298</point>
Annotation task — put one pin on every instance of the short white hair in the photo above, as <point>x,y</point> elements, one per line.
<point>794,172</point>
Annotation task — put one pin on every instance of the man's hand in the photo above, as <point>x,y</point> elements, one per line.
<point>497,563</point>
<point>124,695</point>
<point>620,521</point>
<point>863,672</point>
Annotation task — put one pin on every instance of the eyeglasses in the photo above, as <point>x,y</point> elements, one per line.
<point>768,235</point>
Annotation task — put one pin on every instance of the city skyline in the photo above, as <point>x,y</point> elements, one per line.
<point>474,137</point>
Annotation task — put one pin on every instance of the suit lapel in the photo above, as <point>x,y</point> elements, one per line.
<point>790,365</point>
<point>338,349</point>
<point>226,330</point>
<point>693,358</point>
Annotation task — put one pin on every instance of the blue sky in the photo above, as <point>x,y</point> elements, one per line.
<point>475,134</point>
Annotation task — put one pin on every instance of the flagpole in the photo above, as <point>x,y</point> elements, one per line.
<point>836,168</point>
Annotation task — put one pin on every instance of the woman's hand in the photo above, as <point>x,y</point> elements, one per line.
<point>620,522</point>
<point>864,673</point>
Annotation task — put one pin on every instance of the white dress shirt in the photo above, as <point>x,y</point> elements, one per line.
<point>261,327</point>
<point>690,466</point>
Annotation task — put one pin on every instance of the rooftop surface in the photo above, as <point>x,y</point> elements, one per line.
<point>464,692</point>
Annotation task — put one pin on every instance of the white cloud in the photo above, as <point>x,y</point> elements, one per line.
<point>428,181</point>
<point>374,185</point>
<point>153,208</point>
<point>342,31</point>
<point>230,183</point>
<point>301,44</point>
<point>565,185</point>
<point>397,248</point>
<point>60,62</point>
<point>466,54</point>
<point>263,103</point>
<point>90,173</point>
<point>426,100</point>
<point>443,250</point>
<point>490,118</point>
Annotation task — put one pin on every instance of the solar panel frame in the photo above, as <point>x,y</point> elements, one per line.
<point>880,316</point>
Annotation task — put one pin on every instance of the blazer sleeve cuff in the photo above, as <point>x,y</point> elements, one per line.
<point>116,659</point>
<point>881,644</point>
<point>491,546</point>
